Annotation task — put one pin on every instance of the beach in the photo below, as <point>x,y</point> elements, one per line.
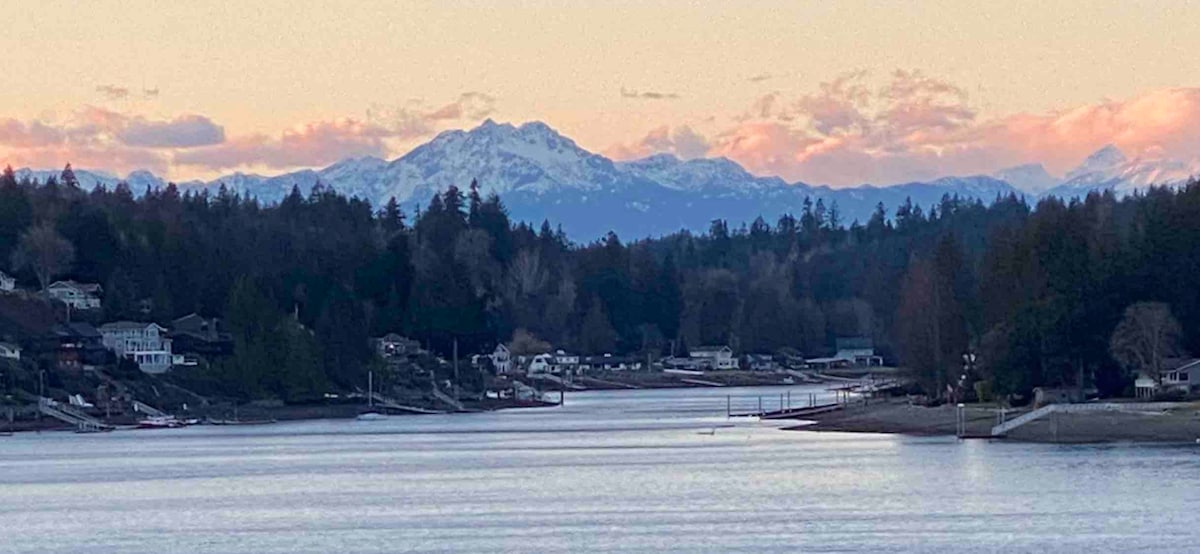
<point>1180,425</point>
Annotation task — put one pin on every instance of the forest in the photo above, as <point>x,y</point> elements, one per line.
<point>1035,291</point>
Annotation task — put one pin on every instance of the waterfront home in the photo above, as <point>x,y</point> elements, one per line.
<point>72,346</point>
<point>558,363</point>
<point>195,336</point>
<point>1182,375</point>
<point>10,351</point>
<point>79,296</point>
<point>859,351</point>
<point>760,362</point>
<point>609,362</point>
<point>393,346</point>
<point>144,343</point>
<point>714,357</point>
<point>501,359</point>
<point>7,283</point>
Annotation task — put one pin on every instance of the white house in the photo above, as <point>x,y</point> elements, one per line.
<point>144,343</point>
<point>714,357</point>
<point>1183,375</point>
<point>79,296</point>
<point>859,351</point>
<point>558,363</point>
<point>10,351</point>
<point>7,283</point>
<point>501,359</point>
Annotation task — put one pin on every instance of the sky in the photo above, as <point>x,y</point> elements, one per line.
<point>838,93</point>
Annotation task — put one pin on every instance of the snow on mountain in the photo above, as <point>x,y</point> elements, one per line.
<point>1109,169</point>
<point>541,174</point>
<point>703,174</point>
<point>1031,178</point>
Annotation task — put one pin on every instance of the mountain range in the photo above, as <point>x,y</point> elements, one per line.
<point>543,175</point>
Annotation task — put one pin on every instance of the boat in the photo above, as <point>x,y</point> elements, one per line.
<point>371,414</point>
<point>160,422</point>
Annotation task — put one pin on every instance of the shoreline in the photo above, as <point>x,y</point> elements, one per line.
<point>1177,426</point>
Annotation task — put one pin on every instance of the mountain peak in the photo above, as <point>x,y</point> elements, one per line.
<point>1101,160</point>
<point>1032,178</point>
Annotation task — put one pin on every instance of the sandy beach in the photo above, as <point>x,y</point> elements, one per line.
<point>1181,425</point>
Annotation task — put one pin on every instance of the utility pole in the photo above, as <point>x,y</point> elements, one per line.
<point>456,400</point>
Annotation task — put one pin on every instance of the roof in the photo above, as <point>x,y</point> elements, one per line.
<point>128,326</point>
<point>710,348</point>
<point>854,343</point>
<point>5,275</point>
<point>1180,364</point>
<point>76,329</point>
<point>90,288</point>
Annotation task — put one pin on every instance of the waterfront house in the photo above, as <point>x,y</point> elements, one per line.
<point>1183,376</point>
<point>760,362</point>
<point>194,336</point>
<point>501,359</point>
<point>393,346</point>
<point>10,351</point>
<point>71,346</point>
<point>7,283</point>
<point>609,362</point>
<point>541,363</point>
<point>859,351</point>
<point>714,357</point>
<point>79,296</point>
<point>144,343</point>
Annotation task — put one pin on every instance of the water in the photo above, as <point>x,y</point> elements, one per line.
<point>623,471</point>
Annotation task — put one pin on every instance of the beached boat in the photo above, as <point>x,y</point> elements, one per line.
<point>160,422</point>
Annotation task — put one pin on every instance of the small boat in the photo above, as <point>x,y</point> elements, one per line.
<point>371,416</point>
<point>159,422</point>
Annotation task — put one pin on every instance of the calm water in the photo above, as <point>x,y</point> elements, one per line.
<point>628,471</point>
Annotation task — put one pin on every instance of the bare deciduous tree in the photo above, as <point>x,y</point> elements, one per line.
<point>44,252</point>
<point>1145,338</point>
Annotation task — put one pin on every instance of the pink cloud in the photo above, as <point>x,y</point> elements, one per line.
<point>917,127</point>
<point>682,141</point>
<point>312,144</point>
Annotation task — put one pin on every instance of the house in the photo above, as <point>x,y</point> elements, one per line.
<point>71,346</point>
<point>7,283</point>
<point>1183,376</point>
<point>393,346</point>
<point>10,351</point>
<point>144,343</point>
<point>760,362</point>
<point>609,362</point>
<point>502,359</point>
<point>714,357</point>
<point>79,296</point>
<point>558,363</point>
<point>859,351</point>
<point>541,363</point>
<point>194,336</point>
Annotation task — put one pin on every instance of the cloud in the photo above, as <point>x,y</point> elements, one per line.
<point>648,95</point>
<point>682,141</point>
<point>182,132</point>
<point>416,120</point>
<point>117,141</point>
<point>916,127</point>
<point>102,138</point>
<point>113,92</point>
<point>313,144</point>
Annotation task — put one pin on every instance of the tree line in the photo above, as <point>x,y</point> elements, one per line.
<point>1034,290</point>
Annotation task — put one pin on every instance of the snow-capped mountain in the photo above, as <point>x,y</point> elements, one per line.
<point>1031,178</point>
<point>543,175</point>
<point>1109,169</point>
